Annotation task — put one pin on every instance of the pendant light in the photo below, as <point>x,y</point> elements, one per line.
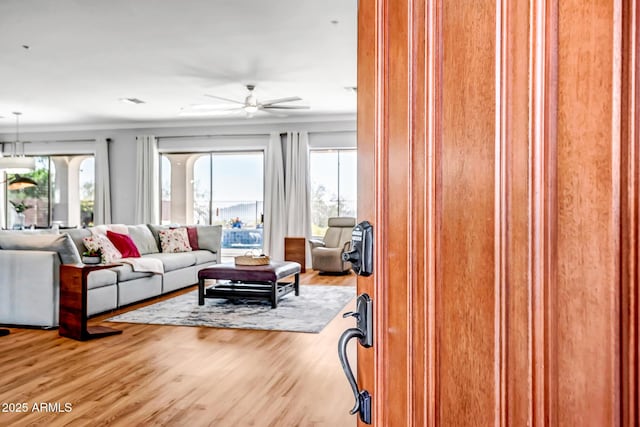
<point>21,182</point>
<point>16,162</point>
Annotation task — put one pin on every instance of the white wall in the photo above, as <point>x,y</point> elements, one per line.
<point>340,133</point>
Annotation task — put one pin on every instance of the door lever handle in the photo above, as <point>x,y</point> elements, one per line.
<point>364,333</point>
<point>344,361</point>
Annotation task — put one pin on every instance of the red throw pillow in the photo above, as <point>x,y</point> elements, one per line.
<point>124,244</point>
<point>192,232</point>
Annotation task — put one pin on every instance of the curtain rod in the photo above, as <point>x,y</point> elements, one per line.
<point>211,136</point>
<point>244,134</point>
<point>46,141</point>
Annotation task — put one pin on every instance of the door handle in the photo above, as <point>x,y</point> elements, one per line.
<point>364,332</point>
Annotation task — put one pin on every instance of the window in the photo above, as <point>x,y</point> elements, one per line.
<point>64,195</point>
<point>165,190</point>
<point>86,181</point>
<point>333,186</point>
<point>221,188</point>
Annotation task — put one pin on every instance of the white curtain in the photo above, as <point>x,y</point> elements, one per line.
<point>102,207</point>
<point>275,222</point>
<point>298,188</point>
<point>147,186</point>
<point>3,204</point>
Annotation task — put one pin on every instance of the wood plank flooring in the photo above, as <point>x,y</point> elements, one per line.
<point>178,376</point>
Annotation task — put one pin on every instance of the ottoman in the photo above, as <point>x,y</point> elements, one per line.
<point>250,282</point>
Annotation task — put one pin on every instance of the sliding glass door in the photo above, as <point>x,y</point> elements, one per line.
<point>218,188</point>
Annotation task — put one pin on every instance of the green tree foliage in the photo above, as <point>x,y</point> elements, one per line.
<point>41,176</point>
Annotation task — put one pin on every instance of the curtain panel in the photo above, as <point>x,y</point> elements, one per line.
<point>298,188</point>
<point>275,220</point>
<point>147,209</point>
<point>102,205</point>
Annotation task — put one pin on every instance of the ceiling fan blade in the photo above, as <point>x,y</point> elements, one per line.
<point>224,99</point>
<point>286,107</point>
<point>279,100</point>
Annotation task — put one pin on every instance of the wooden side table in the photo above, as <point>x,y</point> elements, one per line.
<point>295,249</point>
<point>73,303</point>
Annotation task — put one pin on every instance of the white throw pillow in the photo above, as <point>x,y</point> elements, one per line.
<point>99,242</point>
<point>174,240</point>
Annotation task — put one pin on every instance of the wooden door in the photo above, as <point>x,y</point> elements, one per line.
<point>498,163</point>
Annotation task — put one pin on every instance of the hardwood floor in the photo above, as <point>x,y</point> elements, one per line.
<point>178,376</point>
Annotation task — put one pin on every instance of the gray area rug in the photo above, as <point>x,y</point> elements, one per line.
<point>310,312</point>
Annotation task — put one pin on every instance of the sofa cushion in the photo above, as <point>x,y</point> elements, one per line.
<point>143,238</point>
<point>77,235</point>
<point>102,229</point>
<point>209,237</point>
<point>100,278</point>
<point>155,230</point>
<point>125,273</point>
<point>203,257</point>
<point>59,243</point>
<point>174,261</point>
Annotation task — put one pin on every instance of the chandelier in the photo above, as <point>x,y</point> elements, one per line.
<point>16,161</point>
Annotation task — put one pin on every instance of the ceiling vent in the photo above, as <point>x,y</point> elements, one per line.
<point>132,100</point>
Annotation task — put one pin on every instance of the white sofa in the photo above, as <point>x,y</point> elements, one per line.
<point>30,263</point>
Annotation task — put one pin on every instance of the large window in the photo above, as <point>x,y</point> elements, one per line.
<point>86,188</point>
<point>334,186</point>
<point>220,188</point>
<point>165,190</point>
<point>63,196</point>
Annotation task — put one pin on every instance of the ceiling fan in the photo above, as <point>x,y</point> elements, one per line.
<point>252,105</point>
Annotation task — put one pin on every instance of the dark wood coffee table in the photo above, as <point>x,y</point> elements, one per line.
<point>250,282</point>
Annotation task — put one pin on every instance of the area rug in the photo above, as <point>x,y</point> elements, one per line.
<point>309,312</point>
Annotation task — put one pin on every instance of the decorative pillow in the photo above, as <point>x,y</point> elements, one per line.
<point>104,245</point>
<point>174,240</point>
<point>192,233</point>
<point>124,244</point>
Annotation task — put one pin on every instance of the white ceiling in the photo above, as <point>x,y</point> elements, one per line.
<point>84,55</point>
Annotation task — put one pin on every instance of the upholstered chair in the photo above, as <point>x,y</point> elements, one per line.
<point>326,254</point>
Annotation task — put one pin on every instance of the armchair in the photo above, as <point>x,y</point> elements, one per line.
<point>326,254</point>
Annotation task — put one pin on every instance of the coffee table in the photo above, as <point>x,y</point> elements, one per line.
<point>250,282</point>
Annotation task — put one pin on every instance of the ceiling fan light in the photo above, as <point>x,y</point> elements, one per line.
<point>251,109</point>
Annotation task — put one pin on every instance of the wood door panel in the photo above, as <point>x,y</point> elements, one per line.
<point>466,326</point>
<point>586,308</point>
<point>489,140</point>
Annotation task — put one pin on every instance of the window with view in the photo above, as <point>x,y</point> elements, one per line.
<point>334,186</point>
<point>219,189</point>
<point>63,196</point>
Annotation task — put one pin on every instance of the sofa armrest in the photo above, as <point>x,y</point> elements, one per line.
<point>29,287</point>
<point>210,238</point>
<point>314,243</point>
